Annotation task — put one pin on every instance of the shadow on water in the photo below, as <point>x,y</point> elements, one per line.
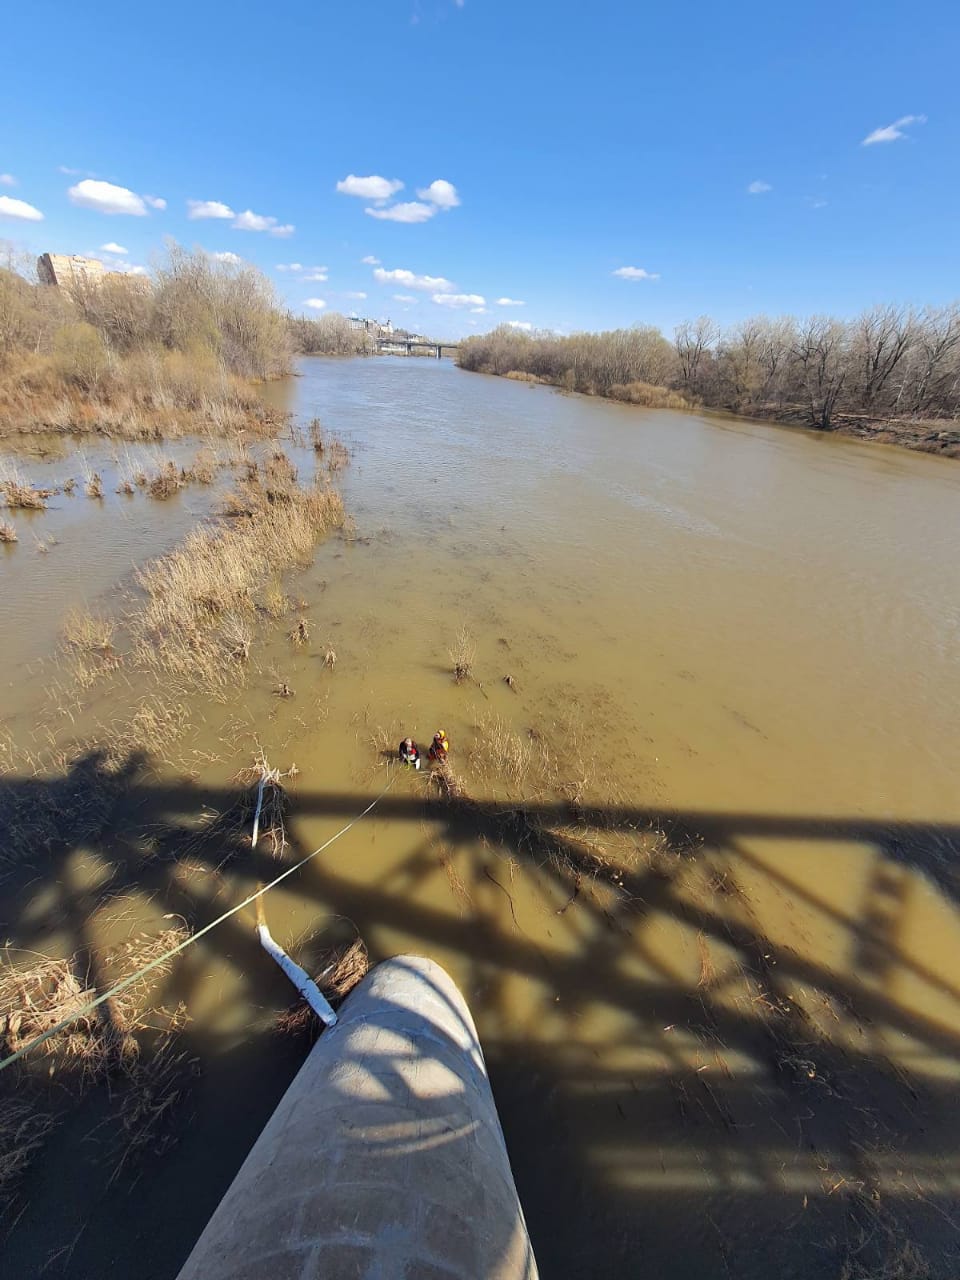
<point>799,1146</point>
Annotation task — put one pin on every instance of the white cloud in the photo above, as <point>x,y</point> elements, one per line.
<point>10,208</point>
<point>289,266</point>
<point>233,259</point>
<point>441,193</point>
<point>459,300</point>
<point>112,247</point>
<point>156,202</point>
<point>105,197</point>
<point>818,204</point>
<point>208,209</point>
<point>891,132</point>
<point>636,273</point>
<point>371,188</point>
<point>479,311</point>
<point>510,302</point>
<point>316,275</point>
<point>357,294</point>
<point>413,211</point>
<point>7,180</point>
<point>250,221</point>
<point>407,279</point>
<point>759,187</point>
<point>370,261</point>
<point>525,325</point>
<point>317,304</point>
<point>405,297</point>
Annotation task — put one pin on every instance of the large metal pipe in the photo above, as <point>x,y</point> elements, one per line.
<point>384,1160</point>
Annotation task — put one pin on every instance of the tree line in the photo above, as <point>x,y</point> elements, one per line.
<point>888,362</point>
<point>194,320</point>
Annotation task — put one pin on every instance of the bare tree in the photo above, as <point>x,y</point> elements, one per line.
<point>821,358</point>
<point>692,341</point>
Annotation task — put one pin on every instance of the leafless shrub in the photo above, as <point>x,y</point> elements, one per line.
<point>7,532</point>
<point>300,633</point>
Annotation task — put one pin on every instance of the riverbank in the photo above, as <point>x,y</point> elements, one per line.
<point>889,375</point>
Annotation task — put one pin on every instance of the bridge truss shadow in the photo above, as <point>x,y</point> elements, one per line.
<point>684,1092</point>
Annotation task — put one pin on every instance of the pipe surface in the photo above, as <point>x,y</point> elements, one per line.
<point>384,1160</point>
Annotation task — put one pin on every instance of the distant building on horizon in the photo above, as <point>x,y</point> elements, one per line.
<point>71,271</point>
<point>66,271</point>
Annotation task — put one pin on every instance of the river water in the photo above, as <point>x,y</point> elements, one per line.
<point>739,1058</point>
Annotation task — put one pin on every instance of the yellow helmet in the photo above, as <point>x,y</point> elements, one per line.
<point>441,733</point>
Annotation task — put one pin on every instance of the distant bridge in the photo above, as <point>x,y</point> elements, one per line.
<point>407,345</point>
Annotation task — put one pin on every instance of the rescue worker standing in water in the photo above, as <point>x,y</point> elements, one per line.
<point>440,747</point>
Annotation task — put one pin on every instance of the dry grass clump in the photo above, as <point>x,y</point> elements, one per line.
<point>165,481</point>
<point>7,532</point>
<point>24,1128</point>
<point>203,467</point>
<point>216,573</point>
<point>94,485</point>
<point>16,493</point>
<point>900,1261</point>
<point>500,753</point>
<point>316,436</point>
<point>329,658</point>
<point>275,601</point>
<point>337,455</point>
<point>88,633</point>
<point>463,654</point>
<point>648,395</point>
<point>300,633</point>
<point>156,1087</point>
<point>341,969</point>
<point>36,997</point>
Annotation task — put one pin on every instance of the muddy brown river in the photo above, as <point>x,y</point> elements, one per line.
<point>738,1057</point>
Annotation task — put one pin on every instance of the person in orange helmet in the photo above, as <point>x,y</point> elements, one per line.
<point>439,747</point>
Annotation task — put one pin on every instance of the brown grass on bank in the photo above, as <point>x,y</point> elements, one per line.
<point>7,532</point>
<point>648,396</point>
<point>216,574</point>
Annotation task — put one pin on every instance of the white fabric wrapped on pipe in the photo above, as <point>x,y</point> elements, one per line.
<point>300,978</point>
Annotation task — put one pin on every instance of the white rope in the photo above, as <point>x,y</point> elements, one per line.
<point>116,989</point>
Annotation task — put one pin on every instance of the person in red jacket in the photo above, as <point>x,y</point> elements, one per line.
<point>410,753</point>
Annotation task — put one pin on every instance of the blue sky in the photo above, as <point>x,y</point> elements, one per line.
<point>569,141</point>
